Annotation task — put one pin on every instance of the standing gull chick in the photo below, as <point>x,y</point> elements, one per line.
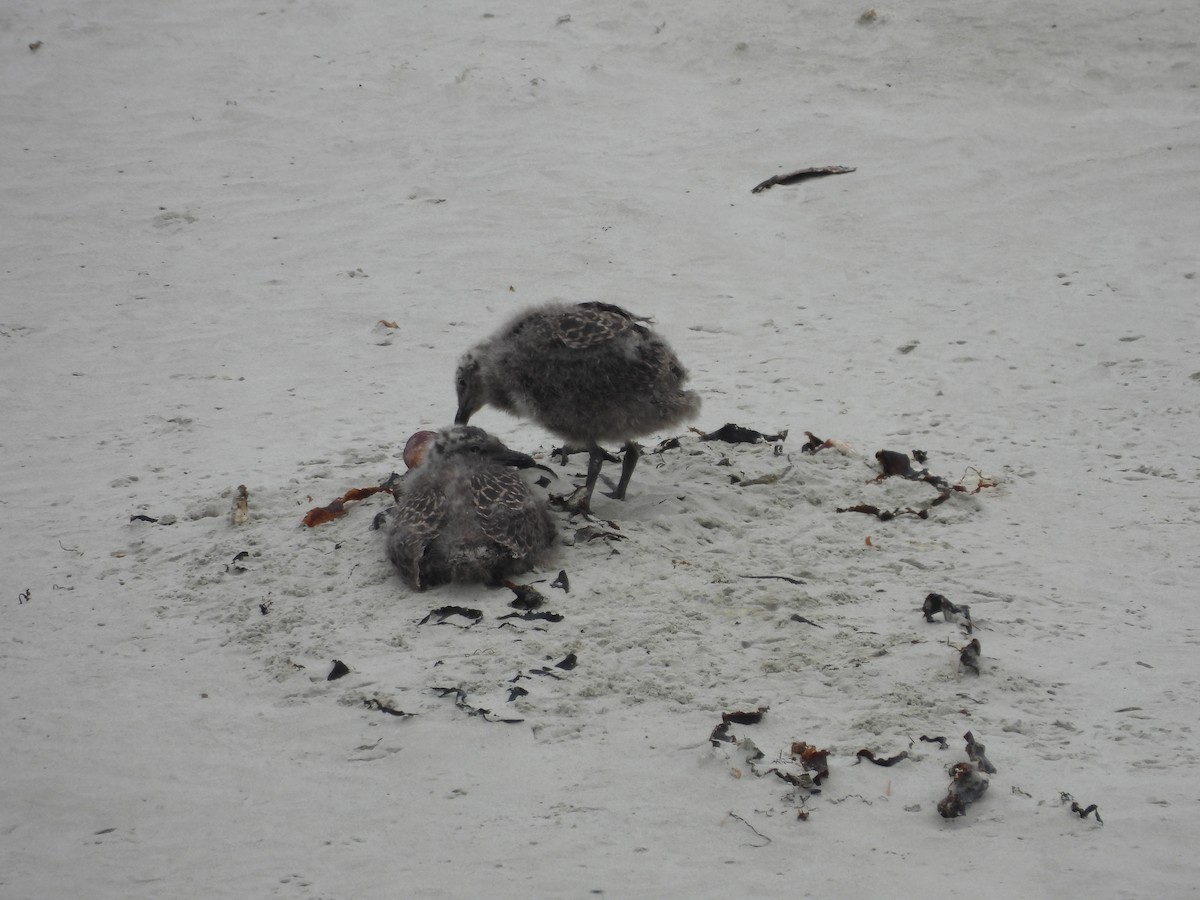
<point>588,373</point>
<point>463,514</point>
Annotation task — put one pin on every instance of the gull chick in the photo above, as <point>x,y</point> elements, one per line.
<point>463,514</point>
<point>588,373</point>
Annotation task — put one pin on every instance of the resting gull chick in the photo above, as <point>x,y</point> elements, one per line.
<point>463,514</point>
<point>588,373</point>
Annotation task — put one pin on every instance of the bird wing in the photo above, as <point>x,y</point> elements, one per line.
<point>505,511</point>
<point>419,518</point>
<point>591,325</point>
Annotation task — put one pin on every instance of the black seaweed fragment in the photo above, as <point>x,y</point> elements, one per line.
<point>384,708</point>
<point>737,434</point>
<point>539,616</point>
<point>1082,811</point>
<point>460,700</point>
<point>800,175</point>
<point>442,613</point>
<point>871,757</point>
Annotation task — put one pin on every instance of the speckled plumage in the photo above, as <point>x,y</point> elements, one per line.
<point>589,373</point>
<point>464,515</point>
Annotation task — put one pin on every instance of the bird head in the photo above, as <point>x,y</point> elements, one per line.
<point>467,440</point>
<point>469,385</point>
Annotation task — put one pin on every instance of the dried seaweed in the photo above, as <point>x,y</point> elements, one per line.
<point>335,510</point>
<point>384,708</point>
<point>886,515</point>
<point>460,700</point>
<point>721,734</point>
<point>796,617</point>
<point>812,760</point>
<point>539,616</point>
<point>935,740</point>
<point>800,175</point>
<point>442,613</point>
<point>339,670</point>
<point>562,582</point>
<point>737,434</point>
<point>871,757</point>
<point>752,717</point>
<point>1082,811</point>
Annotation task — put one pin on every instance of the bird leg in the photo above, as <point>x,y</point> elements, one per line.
<point>580,500</point>
<point>633,452</point>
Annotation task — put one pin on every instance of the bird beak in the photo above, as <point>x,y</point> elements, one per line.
<point>462,416</point>
<point>519,460</point>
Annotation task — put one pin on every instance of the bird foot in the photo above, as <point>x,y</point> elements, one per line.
<point>578,501</point>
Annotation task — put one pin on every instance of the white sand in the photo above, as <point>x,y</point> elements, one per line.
<point>208,208</point>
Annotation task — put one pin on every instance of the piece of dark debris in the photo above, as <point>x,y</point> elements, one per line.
<point>1082,811</point>
<point>968,656</point>
<point>967,784</point>
<point>796,617</point>
<point>667,444</point>
<point>235,567</point>
<point>442,613</point>
<point>590,533</point>
<point>528,597</point>
<point>787,578</point>
<point>515,692</point>
<point>567,663</point>
<point>936,603</point>
<point>935,740</point>
<point>265,607</point>
<point>800,175</point>
<point>886,515</point>
<point>976,753</point>
<point>737,434</point>
<point>893,462</point>
<point>140,518</point>
<point>812,760</point>
<point>720,735</point>
<point>532,616</point>
<point>339,670</point>
<point>745,717</point>
<point>382,707</point>
<point>460,700</point>
<point>871,757</point>
<point>562,582</point>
